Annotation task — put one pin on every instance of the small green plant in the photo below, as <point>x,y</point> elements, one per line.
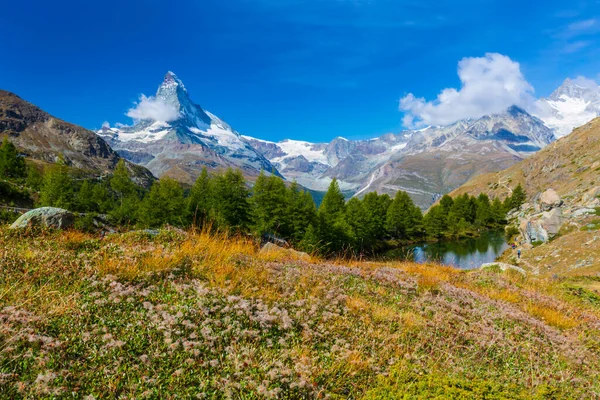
<point>511,232</point>
<point>8,216</point>
<point>594,225</point>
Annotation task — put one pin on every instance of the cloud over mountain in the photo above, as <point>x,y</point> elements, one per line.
<point>152,108</point>
<point>489,85</point>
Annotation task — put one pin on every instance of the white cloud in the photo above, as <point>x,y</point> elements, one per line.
<point>584,25</point>
<point>151,108</point>
<point>586,82</point>
<point>489,85</point>
<point>106,125</point>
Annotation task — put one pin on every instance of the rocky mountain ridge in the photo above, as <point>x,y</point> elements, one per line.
<point>41,136</point>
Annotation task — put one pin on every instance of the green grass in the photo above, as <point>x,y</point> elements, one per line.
<point>188,314</point>
<point>593,225</point>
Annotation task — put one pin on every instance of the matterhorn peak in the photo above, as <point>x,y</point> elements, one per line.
<point>172,80</point>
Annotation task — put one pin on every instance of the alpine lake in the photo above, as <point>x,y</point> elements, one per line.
<point>468,253</point>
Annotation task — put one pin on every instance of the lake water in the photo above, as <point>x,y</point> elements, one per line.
<point>465,253</point>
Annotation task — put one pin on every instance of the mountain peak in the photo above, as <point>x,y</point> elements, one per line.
<point>173,93</point>
<point>172,79</point>
<point>515,110</point>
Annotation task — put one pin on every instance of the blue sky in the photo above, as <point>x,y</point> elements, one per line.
<point>305,69</point>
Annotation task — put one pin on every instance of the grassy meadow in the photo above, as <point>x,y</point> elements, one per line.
<point>189,314</point>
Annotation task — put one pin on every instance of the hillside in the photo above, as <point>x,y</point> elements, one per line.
<point>42,137</point>
<point>570,166</point>
<point>187,314</point>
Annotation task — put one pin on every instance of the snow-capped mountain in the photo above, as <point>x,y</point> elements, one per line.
<point>314,165</point>
<point>191,139</point>
<point>574,103</point>
<point>423,162</point>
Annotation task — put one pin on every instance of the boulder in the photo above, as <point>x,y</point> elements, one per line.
<point>50,217</point>
<point>551,221</point>
<point>542,227</point>
<point>532,231</point>
<point>549,200</point>
<point>270,248</point>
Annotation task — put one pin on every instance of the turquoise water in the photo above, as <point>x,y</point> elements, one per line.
<point>465,253</point>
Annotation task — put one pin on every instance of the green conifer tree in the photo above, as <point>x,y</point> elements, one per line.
<point>231,203</point>
<point>331,229</point>
<point>200,199</point>
<point>484,216</point>
<point>402,217</point>
<point>12,165</point>
<point>518,197</point>
<point>301,212</point>
<point>57,189</point>
<point>376,209</point>
<point>164,204</point>
<point>435,222</point>
<point>126,193</point>
<point>269,205</point>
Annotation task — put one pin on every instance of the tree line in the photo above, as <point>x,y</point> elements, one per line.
<point>225,201</point>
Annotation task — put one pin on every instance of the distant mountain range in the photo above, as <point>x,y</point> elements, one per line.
<point>425,163</point>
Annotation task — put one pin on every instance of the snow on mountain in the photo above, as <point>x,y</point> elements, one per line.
<point>191,139</point>
<point>424,162</point>
<point>574,103</point>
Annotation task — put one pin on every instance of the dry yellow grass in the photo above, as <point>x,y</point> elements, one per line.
<point>551,316</point>
<point>332,328</point>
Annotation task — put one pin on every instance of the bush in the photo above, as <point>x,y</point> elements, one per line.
<point>7,216</point>
<point>511,232</point>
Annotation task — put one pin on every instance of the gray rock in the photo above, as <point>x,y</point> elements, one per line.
<point>583,211</point>
<point>291,253</point>
<point>532,231</point>
<point>549,200</point>
<point>50,217</point>
<point>541,227</point>
<point>552,221</point>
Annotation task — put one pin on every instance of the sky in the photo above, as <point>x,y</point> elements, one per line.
<point>302,69</point>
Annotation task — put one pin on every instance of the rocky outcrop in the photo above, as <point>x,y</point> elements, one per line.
<point>49,217</point>
<point>541,227</point>
<point>271,248</point>
<point>549,200</point>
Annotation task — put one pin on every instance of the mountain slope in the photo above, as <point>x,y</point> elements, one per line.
<point>573,104</point>
<point>571,167</point>
<point>182,146</point>
<point>43,137</point>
